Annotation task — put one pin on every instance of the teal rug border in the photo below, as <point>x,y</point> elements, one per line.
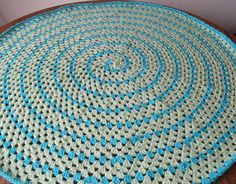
<point>8,177</point>
<point>220,170</point>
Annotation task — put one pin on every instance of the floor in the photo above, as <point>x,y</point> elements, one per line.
<point>229,177</point>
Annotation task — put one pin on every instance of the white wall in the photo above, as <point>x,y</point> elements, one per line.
<point>2,22</point>
<point>221,12</point>
<point>13,9</point>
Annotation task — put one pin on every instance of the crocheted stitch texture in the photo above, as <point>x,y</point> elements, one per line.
<point>116,92</point>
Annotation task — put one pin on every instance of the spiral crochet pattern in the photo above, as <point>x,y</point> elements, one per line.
<point>119,92</point>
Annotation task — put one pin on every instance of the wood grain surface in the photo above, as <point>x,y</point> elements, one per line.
<point>229,177</point>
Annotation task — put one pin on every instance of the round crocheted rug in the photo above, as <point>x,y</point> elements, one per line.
<point>119,92</point>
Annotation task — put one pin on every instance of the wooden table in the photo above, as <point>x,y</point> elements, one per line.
<point>230,176</point>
